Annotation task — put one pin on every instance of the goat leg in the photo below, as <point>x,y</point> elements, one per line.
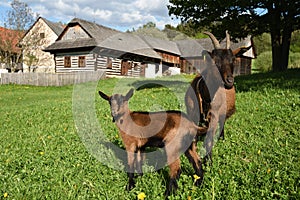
<point>131,182</point>
<point>139,162</point>
<point>175,172</point>
<point>130,170</point>
<point>192,155</point>
<point>222,134</point>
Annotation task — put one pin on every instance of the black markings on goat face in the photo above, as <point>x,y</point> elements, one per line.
<point>224,60</point>
<point>116,104</point>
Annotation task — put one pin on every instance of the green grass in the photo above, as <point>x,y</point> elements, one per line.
<point>43,157</point>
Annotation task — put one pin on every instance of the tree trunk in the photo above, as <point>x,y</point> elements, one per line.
<point>281,33</point>
<point>276,51</point>
<point>286,42</point>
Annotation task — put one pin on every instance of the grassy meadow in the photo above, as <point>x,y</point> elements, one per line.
<point>43,157</point>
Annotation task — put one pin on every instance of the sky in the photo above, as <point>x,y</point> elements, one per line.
<point>122,15</point>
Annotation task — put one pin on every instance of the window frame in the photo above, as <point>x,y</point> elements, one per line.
<point>81,61</point>
<point>67,62</point>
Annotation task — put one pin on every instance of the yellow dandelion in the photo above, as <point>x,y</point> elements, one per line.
<point>42,153</point>
<point>5,195</point>
<point>268,170</point>
<point>141,196</point>
<point>258,152</point>
<point>196,177</point>
<point>189,198</point>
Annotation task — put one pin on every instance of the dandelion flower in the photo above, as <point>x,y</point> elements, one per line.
<point>269,170</point>
<point>141,196</point>
<point>5,195</point>
<point>42,153</point>
<point>196,177</point>
<point>258,152</point>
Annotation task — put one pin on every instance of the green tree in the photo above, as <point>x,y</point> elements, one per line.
<point>18,19</point>
<point>253,17</point>
<point>150,29</point>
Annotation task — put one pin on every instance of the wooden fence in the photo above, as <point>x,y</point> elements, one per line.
<point>46,79</point>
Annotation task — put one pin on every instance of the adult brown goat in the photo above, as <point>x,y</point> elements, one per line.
<point>207,101</point>
<point>171,130</point>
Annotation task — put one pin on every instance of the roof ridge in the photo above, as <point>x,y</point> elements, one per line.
<point>76,20</point>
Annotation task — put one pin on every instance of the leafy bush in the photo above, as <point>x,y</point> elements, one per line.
<point>263,62</point>
<point>294,60</point>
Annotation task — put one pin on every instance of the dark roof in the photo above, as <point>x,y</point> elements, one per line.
<point>162,45</point>
<point>194,48</point>
<point>130,43</point>
<point>56,27</point>
<point>104,37</point>
<point>190,48</point>
<point>72,43</point>
<point>96,31</point>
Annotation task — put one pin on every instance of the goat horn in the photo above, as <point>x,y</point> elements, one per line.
<point>213,39</point>
<point>227,40</point>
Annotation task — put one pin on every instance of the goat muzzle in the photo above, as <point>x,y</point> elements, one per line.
<point>229,82</point>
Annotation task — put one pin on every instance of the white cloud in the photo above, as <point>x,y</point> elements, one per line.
<point>104,14</point>
<point>120,14</point>
<point>145,5</point>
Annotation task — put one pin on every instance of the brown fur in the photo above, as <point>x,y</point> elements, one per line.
<point>205,106</point>
<point>169,129</point>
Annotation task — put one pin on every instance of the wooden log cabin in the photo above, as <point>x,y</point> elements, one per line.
<point>87,46</point>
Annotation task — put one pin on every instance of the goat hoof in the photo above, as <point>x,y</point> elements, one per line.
<point>207,160</point>
<point>140,174</point>
<point>173,186</point>
<point>167,194</point>
<point>130,186</point>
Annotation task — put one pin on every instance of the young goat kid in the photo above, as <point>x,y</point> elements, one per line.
<point>170,130</point>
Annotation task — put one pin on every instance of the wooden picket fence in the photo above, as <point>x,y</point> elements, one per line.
<point>47,79</point>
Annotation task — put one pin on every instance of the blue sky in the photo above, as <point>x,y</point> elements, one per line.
<point>118,14</point>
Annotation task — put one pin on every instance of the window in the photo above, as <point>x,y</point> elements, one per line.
<point>109,63</point>
<point>125,65</point>
<point>81,61</point>
<point>67,61</point>
<point>42,35</point>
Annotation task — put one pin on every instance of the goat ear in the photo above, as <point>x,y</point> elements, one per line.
<point>207,53</point>
<point>240,51</point>
<point>104,96</point>
<point>129,94</point>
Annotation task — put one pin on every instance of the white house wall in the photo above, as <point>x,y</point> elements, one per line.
<point>89,63</point>
<point>45,59</point>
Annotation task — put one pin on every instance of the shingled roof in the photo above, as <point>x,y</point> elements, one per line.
<point>96,31</point>
<point>104,37</point>
<point>190,48</point>
<point>56,27</point>
<point>161,45</point>
<point>129,43</point>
